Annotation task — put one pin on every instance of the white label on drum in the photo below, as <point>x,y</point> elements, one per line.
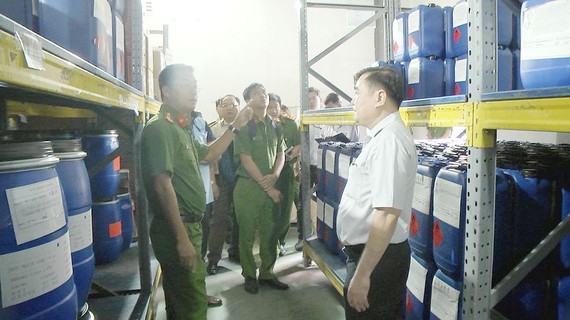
<point>460,14</point>
<point>30,273</point>
<point>444,300</point>
<point>447,202</point>
<point>329,215</point>
<point>343,165</point>
<point>544,33</point>
<point>320,210</point>
<point>414,21</point>
<point>422,193</point>
<point>398,35</point>
<point>461,70</point>
<point>330,161</point>
<point>417,279</point>
<point>80,231</point>
<point>36,209</point>
<point>414,71</point>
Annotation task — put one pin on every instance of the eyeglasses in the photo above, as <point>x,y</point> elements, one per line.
<point>229,106</point>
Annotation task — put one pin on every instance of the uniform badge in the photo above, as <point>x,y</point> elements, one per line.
<point>182,121</point>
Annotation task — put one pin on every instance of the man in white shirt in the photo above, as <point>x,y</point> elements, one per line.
<point>375,208</point>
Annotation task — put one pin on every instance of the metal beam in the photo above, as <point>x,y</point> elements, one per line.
<point>530,261</point>
<point>329,84</point>
<point>344,6</point>
<point>345,38</point>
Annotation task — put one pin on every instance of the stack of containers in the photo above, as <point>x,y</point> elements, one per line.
<point>74,180</point>
<point>84,27</point>
<point>545,46</point>
<point>426,50</point>
<point>449,203</point>
<point>422,268</point>
<point>118,9</point>
<point>456,48</point>
<point>107,218</point>
<point>35,251</point>
<point>326,193</point>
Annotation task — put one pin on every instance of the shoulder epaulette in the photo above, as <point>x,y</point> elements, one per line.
<point>213,123</point>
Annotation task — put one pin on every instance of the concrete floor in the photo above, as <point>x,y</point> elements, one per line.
<point>310,297</point>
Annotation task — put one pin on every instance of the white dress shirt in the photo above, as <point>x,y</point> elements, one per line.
<point>382,176</point>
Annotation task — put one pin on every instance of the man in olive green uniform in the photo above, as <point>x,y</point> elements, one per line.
<point>287,183</point>
<point>175,191</point>
<point>259,149</point>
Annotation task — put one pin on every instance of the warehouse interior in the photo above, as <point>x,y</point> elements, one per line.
<point>486,101</point>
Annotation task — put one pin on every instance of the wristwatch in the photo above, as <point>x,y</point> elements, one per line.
<point>233,129</point>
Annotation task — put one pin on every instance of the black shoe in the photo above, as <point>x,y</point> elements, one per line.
<point>282,250</point>
<point>274,283</point>
<point>211,269</point>
<point>234,258</point>
<point>214,302</point>
<point>299,245</point>
<point>251,285</point>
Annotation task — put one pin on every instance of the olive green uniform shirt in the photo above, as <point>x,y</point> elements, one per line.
<point>167,147</point>
<point>291,135</point>
<point>262,139</point>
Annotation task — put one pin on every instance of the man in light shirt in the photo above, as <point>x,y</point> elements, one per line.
<point>375,208</point>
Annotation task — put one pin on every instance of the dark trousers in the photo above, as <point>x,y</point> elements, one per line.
<point>206,229</point>
<point>387,282</point>
<point>222,212</point>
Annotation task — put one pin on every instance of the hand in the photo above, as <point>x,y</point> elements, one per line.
<point>243,117</point>
<point>358,293</point>
<point>216,191</point>
<point>187,255</point>
<point>274,194</point>
<point>268,181</point>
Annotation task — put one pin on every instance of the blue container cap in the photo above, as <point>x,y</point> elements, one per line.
<point>12,150</point>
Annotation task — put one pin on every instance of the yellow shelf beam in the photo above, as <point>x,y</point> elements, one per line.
<point>339,118</point>
<point>63,78</point>
<point>437,115</point>
<point>538,114</point>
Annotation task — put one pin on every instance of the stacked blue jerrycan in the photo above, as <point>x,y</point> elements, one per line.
<point>456,48</point>
<point>421,220</point>
<point>426,47</point>
<point>400,37</point>
<point>35,251</point>
<point>545,49</point>
<point>419,288</point>
<point>446,297</point>
<point>449,203</point>
<point>75,183</point>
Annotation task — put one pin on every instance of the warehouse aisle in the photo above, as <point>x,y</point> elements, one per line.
<point>311,296</point>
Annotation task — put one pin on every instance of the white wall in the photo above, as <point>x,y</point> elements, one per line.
<point>234,43</point>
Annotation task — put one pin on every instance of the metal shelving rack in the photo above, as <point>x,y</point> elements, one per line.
<point>69,87</point>
<point>483,111</point>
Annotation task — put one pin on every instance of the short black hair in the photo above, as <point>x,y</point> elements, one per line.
<point>315,90</point>
<point>274,97</point>
<point>227,95</point>
<point>247,91</point>
<point>332,97</point>
<point>167,75</point>
<point>387,78</point>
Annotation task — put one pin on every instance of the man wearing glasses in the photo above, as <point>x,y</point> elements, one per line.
<point>227,108</point>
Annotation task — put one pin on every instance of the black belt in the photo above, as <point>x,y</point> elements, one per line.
<point>354,251</point>
<point>191,218</point>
